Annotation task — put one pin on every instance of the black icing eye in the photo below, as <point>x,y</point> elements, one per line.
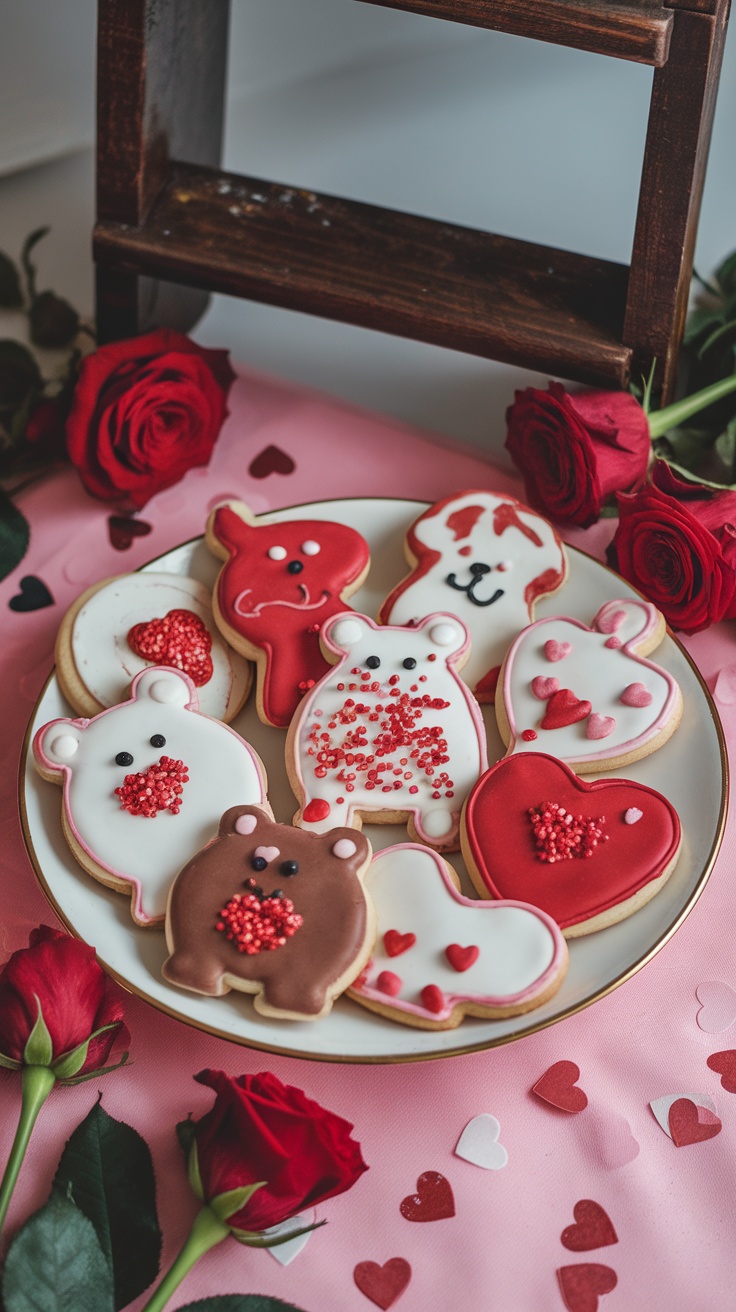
<point>409,663</point>
<point>373,662</point>
<point>289,868</point>
<point>123,758</point>
<point>294,567</point>
<point>158,739</point>
<point>259,862</point>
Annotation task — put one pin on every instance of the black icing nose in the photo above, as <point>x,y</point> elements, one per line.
<point>295,567</point>
<point>478,568</point>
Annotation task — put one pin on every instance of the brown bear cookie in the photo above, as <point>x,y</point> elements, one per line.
<point>272,910</point>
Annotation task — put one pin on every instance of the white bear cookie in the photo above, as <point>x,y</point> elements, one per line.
<point>144,785</point>
<point>587,695</point>
<point>486,557</point>
<point>391,734</point>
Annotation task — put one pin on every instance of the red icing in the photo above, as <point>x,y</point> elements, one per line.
<point>462,522</point>
<point>159,788</point>
<point>389,983</point>
<point>433,999</point>
<point>528,735</point>
<point>277,612</point>
<point>565,708</point>
<point>507,516</point>
<point>485,688</point>
<point>180,639</point>
<point>316,810</point>
<point>258,926</point>
<point>559,835</point>
<point>548,581</point>
<point>461,958</point>
<point>396,943</point>
<point>498,837</point>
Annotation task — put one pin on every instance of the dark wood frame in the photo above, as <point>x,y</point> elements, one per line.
<point>172,227</point>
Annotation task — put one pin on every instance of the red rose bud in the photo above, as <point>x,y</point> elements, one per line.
<point>574,450</point>
<point>265,1133</point>
<point>676,542</point>
<point>145,411</point>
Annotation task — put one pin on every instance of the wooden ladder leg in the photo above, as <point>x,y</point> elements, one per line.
<point>678,136</point>
<point>161,68</point>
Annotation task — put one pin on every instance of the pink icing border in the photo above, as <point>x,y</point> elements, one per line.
<point>651,622</point>
<point>509,999</point>
<point>65,772</point>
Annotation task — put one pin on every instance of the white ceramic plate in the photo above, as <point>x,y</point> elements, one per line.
<point>690,770</point>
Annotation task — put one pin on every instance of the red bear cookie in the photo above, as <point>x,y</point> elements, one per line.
<point>279,584</point>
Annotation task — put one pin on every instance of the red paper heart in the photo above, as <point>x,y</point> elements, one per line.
<point>382,1284</point>
<point>725,1064</point>
<point>179,639</point>
<point>691,1124</point>
<point>122,529</point>
<point>396,943</point>
<point>565,708</point>
<point>581,1285</point>
<point>461,958</point>
<point>271,460</point>
<point>500,840</point>
<point>558,1087</point>
<point>433,1200</point>
<point>594,1228</point>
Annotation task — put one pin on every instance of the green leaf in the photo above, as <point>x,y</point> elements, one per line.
<point>227,1204</point>
<point>55,1264</point>
<point>700,322</point>
<point>240,1303</point>
<point>11,296</point>
<point>195,1179</point>
<point>39,1049</point>
<point>10,1063</point>
<point>685,445</point>
<point>108,1167</point>
<point>726,445</point>
<point>70,1063</point>
<point>14,536</point>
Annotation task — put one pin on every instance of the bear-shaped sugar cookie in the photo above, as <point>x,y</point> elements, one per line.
<point>144,785</point>
<point>280,582</point>
<point>273,911</point>
<point>486,557</point>
<point>391,734</point>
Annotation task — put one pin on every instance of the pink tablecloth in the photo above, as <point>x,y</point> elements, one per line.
<point>672,1208</point>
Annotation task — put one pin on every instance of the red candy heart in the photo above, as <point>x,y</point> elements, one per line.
<point>433,1200</point>
<point>433,999</point>
<point>180,639</point>
<point>382,1284</point>
<point>690,1124</point>
<point>271,460</point>
<point>461,958</point>
<point>565,708</point>
<point>725,1064</point>
<point>581,1285</point>
<point>594,1228</point>
<point>507,863</point>
<point>558,1087</point>
<point>396,943</point>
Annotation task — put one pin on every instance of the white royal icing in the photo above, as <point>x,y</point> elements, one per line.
<point>106,664</point>
<point>594,672</point>
<point>148,852</point>
<point>521,948</point>
<point>515,562</point>
<point>354,639</point>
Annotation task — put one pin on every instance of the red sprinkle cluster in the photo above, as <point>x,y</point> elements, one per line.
<point>159,788</point>
<point>179,639</point>
<point>255,926</point>
<point>559,835</point>
<point>371,754</point>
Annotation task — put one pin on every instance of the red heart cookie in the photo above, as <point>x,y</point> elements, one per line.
<point>725,1064</point>
<point>433,1200</point>
<point>383,1284</point>
<point>558,1087</point>
<point>519,843</point>
<point>593,1228</point>
<point>180,639</point>
<point>690,1124</point>
<point>581,1285</point>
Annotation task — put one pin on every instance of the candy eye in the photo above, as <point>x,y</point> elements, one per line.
<point>294,567</point>
<point>123,758</point>
<point>311,548</point>
<point>259,862</point>
<point>289,868</point>
<point>373,662</point>
<point>277,553</point>
<point>409,663</point>
<point>158,740</point>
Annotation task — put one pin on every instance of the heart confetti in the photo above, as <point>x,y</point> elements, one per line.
<point>593,1228</point>
<point>558,1087</point>
<point>122,530</point>
<point>608,1139</point>
<point>286,1252</point>
<point>33,595</point>
<point>725,686</point>
<point>271,460</point>
<point>689,1123</point>
<point>718,1010</point>
<point>479,1143</point>
<point>433,1200</point>
<point>661,1107</point>
<point>582,1285</point>
<point>725,1065</point>
<point>383,1284</point>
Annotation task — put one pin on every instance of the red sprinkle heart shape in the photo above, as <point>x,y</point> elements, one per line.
<point>558,1087</point>
<point>159,788</point>
<point>581,1285</point>
<point>725,1065</point>
<point>396,943</point>
<point>691,1124</point>
<point>271,460</point>
<point>180,639</point>
<point>433,1200</point>
<point>593,1228</point>
<point>383,1284</point>
<point>564,708</point>
<point>122,530</point>
<point>461,958</point>
<point>500,846</point>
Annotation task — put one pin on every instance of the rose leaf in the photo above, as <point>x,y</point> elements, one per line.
<point>14,536</point>
<point>726,445</point>
<point>725,274</point>
<point>11,296</point>
<point>108,1167</point>
<point>55,1263</point>
<point>240,1303</point>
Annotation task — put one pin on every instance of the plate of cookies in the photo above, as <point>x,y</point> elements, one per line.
<point>370,780</point>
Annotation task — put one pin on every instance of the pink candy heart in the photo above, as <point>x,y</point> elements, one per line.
<point>556,651</point>
<point>609,623</point>
<point>544,688</point>
<point>268,853</point>
<point>718,1006</point>
<point>599,726</point>
<point>636,695</point>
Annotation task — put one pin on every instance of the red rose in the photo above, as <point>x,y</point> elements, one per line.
<point>61,976</point>
<point>575,450</point>
<point>676,542</point>
<point>262,1130</point>
<point>144,411</point>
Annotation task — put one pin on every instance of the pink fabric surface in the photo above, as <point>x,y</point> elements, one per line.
<point>672,1208</point>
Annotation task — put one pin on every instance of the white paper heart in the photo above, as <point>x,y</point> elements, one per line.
<point>479,1144</point>
<point>661,1106</point>
<point>718,1006</point>
<point>286,1252</point>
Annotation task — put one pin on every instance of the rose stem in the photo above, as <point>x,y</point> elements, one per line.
<point>204,1234</point>
<point>661,421</point>
<point>37,1083</point>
